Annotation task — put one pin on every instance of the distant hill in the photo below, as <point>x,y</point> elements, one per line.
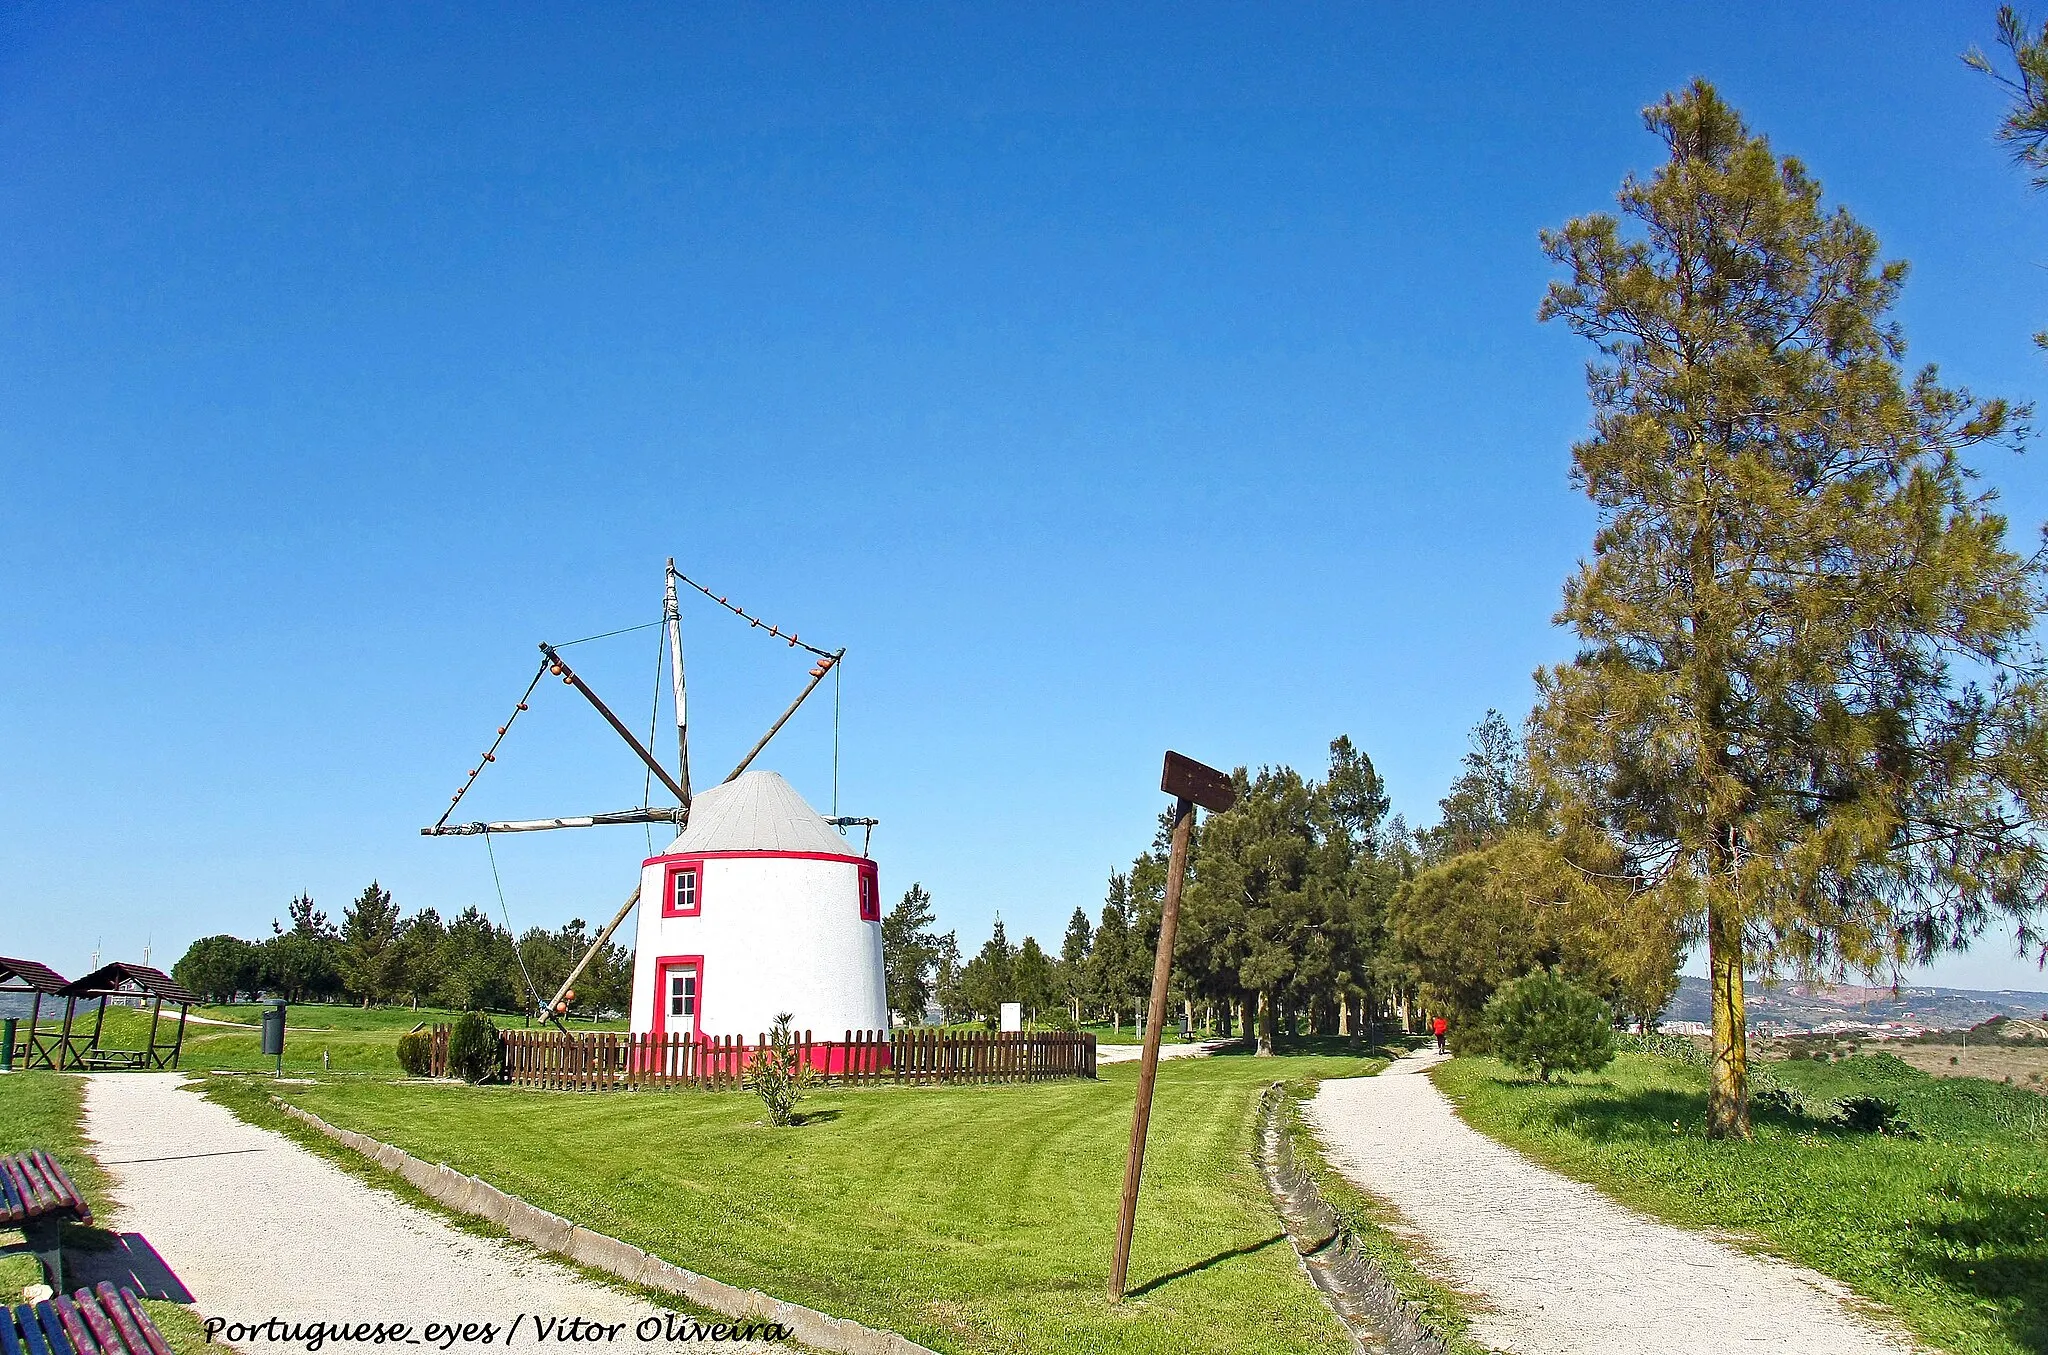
<point>1803,1006</point>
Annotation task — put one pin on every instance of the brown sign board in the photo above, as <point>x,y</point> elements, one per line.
<point>1188,779</point>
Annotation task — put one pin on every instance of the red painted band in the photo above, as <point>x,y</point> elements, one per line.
<point>785,856</point>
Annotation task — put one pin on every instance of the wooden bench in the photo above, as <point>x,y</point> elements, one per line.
<point>37,1197</point>
<point>98,1321</point>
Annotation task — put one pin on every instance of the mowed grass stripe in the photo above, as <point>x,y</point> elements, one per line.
<point>968,1218</point>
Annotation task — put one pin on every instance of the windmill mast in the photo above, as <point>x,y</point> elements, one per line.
<point>673,615</point>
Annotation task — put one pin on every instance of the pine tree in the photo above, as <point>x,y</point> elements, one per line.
<point>1806,704</point>
<point>1032,978</point>
<point>2024,129</point>
<point>909,953</point>
<point>989,979</point>
<point>1109,961</point>
<point>369,945</point>
<point>1074,951</point>
<point>1492,795</point>
<point>420,942</point>
<point>946,969</point>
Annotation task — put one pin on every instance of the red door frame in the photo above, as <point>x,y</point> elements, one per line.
<point>662,965</point>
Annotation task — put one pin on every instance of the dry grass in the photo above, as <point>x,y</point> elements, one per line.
<point>2021,1065</point>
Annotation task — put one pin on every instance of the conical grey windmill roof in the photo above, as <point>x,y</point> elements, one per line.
<point>759,812</point>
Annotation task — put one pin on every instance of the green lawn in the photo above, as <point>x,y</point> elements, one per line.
<point>44,1110</point>
<point>1949,1230</point>
<point>355,1039</point>
<point>968,1218</point>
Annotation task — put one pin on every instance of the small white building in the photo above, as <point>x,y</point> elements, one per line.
<point>759,907</point>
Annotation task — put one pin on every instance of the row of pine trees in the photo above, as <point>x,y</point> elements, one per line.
<point>377,955</point>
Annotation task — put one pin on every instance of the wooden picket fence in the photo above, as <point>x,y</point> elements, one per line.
<point>437,1047</point>
<point>609,1060</point>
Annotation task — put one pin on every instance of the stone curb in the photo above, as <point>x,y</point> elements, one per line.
<point>553,1233</point>
<point>1352,1282</point>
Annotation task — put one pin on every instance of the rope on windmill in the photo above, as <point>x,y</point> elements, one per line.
<point>491,753</point>
<point>606,635</point>
<point>790,636</point>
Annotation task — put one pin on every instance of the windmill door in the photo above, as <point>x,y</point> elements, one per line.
<point>681,990</point>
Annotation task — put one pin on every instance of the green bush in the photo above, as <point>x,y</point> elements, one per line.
<point>778,1074</point>
<point>1664,1046</point>
<point>1872,1115</point>
<point>416,1053</point>
<point>473,1053</point>
<point>1544,1023</point>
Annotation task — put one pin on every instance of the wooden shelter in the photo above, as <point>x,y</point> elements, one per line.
<point>34,1050</point>
<point>83,1054</point>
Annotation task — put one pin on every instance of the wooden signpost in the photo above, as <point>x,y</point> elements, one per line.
<point>1191,784</point>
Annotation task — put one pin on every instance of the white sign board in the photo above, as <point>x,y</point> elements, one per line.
<point>1013,1016</point>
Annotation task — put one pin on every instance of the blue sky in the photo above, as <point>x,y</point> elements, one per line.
<point>1104,377</point>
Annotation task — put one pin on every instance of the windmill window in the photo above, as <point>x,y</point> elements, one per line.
<point>682,993</point>
<point>870,896</point>
<point>685,896</point>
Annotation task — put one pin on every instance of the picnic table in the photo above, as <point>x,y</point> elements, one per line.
<point>112,1058</point>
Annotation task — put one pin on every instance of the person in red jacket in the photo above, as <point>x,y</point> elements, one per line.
<point>1439,1027</point>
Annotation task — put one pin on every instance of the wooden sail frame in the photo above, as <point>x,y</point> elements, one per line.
<point>552,664</point>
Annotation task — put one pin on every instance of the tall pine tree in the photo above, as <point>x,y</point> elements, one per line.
<point>1806,703</point>
<point>910,954</point>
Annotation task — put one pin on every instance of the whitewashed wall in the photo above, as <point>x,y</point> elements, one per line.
<point>777,934</point>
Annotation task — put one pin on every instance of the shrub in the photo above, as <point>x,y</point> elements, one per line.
<point>1678,1047</point>
<point>416,1053</point>
<point>1781,1099</point>
<point>1546,1024</point>
<point>1768,1093</point>
<point>1872,1115</point>
<point>777,1074</point>
<point>473,1051</point>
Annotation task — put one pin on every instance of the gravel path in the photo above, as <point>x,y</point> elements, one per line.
<point>257,1227</point>
<point>1132,1053</point>
<point>1563,1269</point>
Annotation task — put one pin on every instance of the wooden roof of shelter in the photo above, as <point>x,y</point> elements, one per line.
<point>119,979</point>
<point>26,976</point>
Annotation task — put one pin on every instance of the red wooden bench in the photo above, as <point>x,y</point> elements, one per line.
<point>37,1197</point>
<point>98,1321</point>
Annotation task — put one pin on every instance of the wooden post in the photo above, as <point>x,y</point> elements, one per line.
<point>673,615</point>
<point>35,1016</point>
<point>825,665</point>
<point>1192,783</point>
<point>569,676</point>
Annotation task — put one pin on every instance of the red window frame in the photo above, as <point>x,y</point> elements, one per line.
<point>668,889</point>
<point>661,967</point>
<point>870,893</point>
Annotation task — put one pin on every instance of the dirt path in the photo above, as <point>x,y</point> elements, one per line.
<point>255,1227</point>
<point>1132,1053</point>
<point>1563,1269</point>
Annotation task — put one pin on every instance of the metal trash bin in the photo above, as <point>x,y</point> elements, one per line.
<point>273,1032</point>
